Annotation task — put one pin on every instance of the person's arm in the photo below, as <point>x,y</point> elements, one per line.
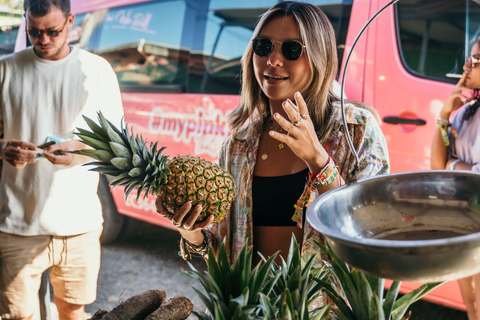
<point>455,164</point>
<point>440,144</point>
<point>438,157</point>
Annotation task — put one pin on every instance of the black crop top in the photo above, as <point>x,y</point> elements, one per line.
<point>274,198</point>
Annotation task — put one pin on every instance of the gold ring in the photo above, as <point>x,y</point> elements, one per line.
<point>297,123</point>
<point>176,224</point>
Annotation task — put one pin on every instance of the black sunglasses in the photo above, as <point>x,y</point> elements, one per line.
<point>50,33</point>
<point>291,49</point>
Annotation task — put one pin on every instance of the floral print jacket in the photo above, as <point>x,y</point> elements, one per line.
<point>239,155</point>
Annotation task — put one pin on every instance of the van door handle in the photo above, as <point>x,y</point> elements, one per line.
<point>398,120</point>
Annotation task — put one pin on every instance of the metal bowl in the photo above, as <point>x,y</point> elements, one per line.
<point>416,226</point>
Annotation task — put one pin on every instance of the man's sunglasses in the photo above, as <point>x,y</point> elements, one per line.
<point>471,62</point>
<point>291,49</point>
<point>50,33</point>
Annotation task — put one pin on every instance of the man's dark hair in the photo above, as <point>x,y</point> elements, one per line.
<point>40,8</point>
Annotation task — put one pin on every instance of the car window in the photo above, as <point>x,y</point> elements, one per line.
<point>432,37</point>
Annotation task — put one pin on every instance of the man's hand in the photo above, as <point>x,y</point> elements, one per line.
<point>59,153</point>
<point>18,153</point>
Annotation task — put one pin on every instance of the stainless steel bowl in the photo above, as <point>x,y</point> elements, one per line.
<point>416,226</point>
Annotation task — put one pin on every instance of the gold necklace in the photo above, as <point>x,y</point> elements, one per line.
<point>279,147</point>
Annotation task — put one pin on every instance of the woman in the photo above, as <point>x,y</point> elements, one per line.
<point>286,131</point>
<point>456,147</point>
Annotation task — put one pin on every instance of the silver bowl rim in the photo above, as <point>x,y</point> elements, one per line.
<point>381,243</point>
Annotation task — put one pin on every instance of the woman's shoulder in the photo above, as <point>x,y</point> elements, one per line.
<point>354,114</point>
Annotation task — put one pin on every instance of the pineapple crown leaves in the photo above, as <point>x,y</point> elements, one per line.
<point>287,310</point>
<point>297,276</point>
<point>125,156</point>
<point>230,287</point>
<point>365,293</point>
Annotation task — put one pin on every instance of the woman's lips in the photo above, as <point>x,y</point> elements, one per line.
<point>274,79</point>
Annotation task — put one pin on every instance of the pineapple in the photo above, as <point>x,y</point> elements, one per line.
<point>177,180</point>
<point>287,291</point>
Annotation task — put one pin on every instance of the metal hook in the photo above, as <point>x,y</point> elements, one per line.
<point>342,98</point>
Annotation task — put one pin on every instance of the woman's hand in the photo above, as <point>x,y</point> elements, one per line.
<point>456,98</point>
<point>187,226</point>
<point>301,138</point>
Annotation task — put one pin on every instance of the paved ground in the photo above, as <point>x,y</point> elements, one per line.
<point>149,259</point>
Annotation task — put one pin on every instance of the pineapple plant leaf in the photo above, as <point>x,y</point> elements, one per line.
<point>233,291</point>
<point>361,289</point>
<point>126,156</point>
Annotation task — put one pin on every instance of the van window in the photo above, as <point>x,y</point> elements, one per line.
<point>183,45</point>
<point>143,42</point>
<point>229,28</point>
<point>472,24</point>
<point>432,37</point>
<point>8,35</point>
<point>10,20</point>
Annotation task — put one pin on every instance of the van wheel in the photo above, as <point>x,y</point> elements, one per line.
<point>112,220</point>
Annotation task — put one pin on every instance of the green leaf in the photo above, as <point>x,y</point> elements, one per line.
<point>95,127</point>
<point>129,189</point>
<point>120,150</point>
<point>101,155</point>
<point>120,179</point>
<point>262,275</point>
<point>377,285</point>
<point>114,136</point>
<point>90,134</point>
<point>365,295</point>
<point>376,310</point>
<point>402,304</point>
<point>137,160</point>
<point>342,306</point>
<point>94,143</point>
<point>122,163</point>
<point>135,172</point>
<point>323,314</point>
<point>390,298</point>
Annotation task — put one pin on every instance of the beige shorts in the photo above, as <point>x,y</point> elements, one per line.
<point>74,263</point>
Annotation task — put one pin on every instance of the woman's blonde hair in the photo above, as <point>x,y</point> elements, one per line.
<point>318,36</point>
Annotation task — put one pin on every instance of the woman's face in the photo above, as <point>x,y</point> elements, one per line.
<point>473,74</point>
<point>278,77</point>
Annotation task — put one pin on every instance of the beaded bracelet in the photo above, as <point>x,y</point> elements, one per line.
<point>442,125</point>
<point>187,249</point>
<point>326,176</point>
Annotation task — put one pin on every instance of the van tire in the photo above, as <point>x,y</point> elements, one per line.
<point>112,220</point>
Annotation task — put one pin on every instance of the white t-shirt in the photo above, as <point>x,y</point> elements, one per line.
<point>40,98</point>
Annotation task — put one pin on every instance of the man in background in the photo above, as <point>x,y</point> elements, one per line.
<point>50,215</point>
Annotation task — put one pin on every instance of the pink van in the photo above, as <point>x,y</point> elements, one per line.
<point>178,64</point>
